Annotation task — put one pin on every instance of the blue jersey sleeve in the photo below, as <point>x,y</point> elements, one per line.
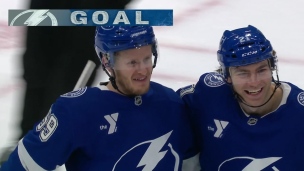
<point>186,94</point>
<point>47,146</point>
<point>13,163</point>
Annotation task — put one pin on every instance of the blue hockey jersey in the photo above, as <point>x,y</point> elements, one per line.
<point>93,129</point>
<point>231,140</point>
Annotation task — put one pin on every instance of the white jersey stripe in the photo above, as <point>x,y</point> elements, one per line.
<point>26,160</point>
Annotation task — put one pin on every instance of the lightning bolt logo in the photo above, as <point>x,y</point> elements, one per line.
<point>218,78</point>
<point>260,164</point>
<point>153,154</point>
<point>255,164</point>
<point>37,17</point>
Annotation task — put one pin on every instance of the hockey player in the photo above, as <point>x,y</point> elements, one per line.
<point>128,123</point>
<point>244,118</point>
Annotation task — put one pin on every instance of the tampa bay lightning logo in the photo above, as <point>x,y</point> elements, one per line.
<point>250,164</point>
<point>301,98</point>
<point>214,79</point>
<point>156,151</point>
<point>76,93</point>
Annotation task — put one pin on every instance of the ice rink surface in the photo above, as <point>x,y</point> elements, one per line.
<point>187,49</point>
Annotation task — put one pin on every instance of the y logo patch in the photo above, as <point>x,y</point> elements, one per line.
<point>220,126</point>
<point>112,119</point>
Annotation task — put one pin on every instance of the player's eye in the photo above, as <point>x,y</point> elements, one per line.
<point>133,63</point>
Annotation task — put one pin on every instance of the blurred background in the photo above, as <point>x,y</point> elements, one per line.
<point>187,49</point>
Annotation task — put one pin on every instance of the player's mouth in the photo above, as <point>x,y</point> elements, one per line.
<point>254,92</point>
<point>143,78</point>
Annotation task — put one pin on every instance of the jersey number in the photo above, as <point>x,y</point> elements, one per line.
<point>47,127</point>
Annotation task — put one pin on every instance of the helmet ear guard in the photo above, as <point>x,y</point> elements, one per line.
<point>155,53</point>
<point>274,61</point>
<point>244,46</point>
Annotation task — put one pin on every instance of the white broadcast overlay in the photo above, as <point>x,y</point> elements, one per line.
<point>81,17</point>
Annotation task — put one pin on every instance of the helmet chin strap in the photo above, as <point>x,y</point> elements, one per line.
<point>277,85</point>
<point>113,82</point>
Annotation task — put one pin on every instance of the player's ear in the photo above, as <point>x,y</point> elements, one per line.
<point>105,63</point>
<point>229,80</point>
<point>229,76</point>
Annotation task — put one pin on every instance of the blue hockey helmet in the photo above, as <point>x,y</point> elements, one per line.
<point>244,46</point>
<point>111,39</point>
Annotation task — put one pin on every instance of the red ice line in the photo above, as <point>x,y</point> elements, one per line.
<point>9,88</point>
<point>197,8</point>
<point>10,37</point>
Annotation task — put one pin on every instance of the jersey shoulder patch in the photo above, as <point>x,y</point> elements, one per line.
<point>301,98</point>
<point>75,93</point>
<point>214,79</point>
<point>186,90</point>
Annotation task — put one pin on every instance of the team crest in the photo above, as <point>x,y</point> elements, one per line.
<point>301,98</point>
<point>214,79</point>
<point>76,93</point>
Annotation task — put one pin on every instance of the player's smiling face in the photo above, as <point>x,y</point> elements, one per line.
<point>252,82</point>
<point>133,69</point>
